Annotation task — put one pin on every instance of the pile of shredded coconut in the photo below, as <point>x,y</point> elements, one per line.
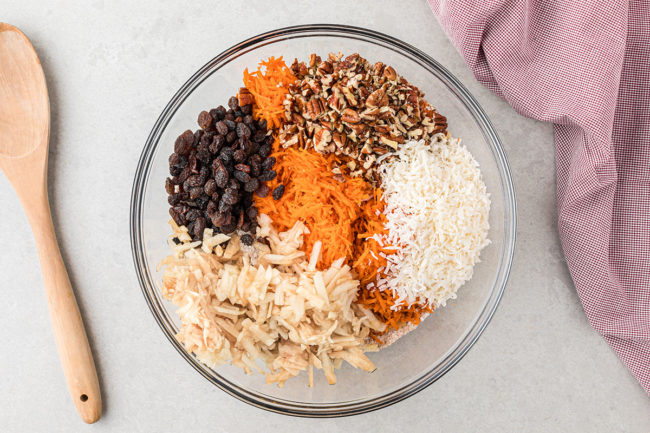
<point>437,215</point>
<point>266,303</point>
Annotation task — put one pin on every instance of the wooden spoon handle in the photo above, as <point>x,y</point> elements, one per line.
<point>69,333</point>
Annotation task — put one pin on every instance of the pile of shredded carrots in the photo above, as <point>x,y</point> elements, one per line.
<point>312,195</point>
<point>269,85</point>
<point>344,216</point>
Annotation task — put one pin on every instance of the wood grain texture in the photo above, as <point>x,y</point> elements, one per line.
<point>24,138</point>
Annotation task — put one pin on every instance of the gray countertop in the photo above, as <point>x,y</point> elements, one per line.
<point>111,68</point>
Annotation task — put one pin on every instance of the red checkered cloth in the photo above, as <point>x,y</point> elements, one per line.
<point>583,65</point>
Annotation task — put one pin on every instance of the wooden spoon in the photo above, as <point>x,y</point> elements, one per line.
<point>24,138</point>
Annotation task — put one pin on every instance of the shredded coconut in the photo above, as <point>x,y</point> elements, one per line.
<point>437,214</point>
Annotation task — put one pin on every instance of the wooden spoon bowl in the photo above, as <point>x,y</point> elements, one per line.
<point>24,140</point>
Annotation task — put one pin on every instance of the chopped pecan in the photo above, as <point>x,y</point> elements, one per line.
<point>350,116</point>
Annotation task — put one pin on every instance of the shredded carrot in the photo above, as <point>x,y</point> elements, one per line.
<point>269,85</point>
<point>344,216</point>
<point>312,195</point>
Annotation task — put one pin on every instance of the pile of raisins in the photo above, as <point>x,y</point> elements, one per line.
<point>216,170</point>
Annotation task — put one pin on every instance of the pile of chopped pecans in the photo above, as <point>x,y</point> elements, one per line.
<point>352,108</point>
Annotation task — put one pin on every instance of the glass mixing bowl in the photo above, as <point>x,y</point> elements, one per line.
<point>416,360</point>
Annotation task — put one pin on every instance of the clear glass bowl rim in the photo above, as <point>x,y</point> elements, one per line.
<point>453,356</point>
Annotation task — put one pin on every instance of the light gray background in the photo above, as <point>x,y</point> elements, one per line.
<point>111,68</point>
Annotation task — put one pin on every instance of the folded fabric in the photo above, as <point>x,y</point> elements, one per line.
<point>585,66</point>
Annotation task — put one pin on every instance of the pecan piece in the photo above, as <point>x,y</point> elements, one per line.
<point>350,116</point>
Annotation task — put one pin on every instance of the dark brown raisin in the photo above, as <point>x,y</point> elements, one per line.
<point>210,186</point>
<point>182,146</point>
<point>199,226</point>
<point>169,186</point>
<point>230,196</point>
<point>204,156</point>
<point>245,145</point>
<point>247,109</point>
<point>239,155</point>
<point>222,128</point>
<point>265,150</point>
<point>204,120</point>
<point>251,185</point>
<point>230,124</point>
<point>261,124</point>
<point>262,191</point>
<point>252,212</point>
<point>243,130</point>
<point>178,218</point>
<point>269,140</point>
<point>174,199</point>
<point>247,239</point>
<point>248,120</point>
<point>229,115</point>
<point>191,182</point>
<point>221,176</point>
<point>211,207</point>
<point>217,143</point>
<point>196,192</point>
<point>233,184</point>
<point>243,167</point>
<point>278,191</point>
<point>192,161</point>
<point>241,176</point>
<point>192,214</point>
<point>223,206</point>
<point>233,103</point>
<point>268,163</point>
<point>267,175</point>
<point>231,137</point>
<point>226,155</point>
<point>218,219</point>
<point>259,136</point>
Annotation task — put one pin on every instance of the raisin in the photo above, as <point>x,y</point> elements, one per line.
<point>247,239</point>
<point>192,214</point>
<point>251,185</point>
<point>174,199</point>
<point>217,143</point>
<point>261,124</point>
<point>247,109</point>
<point>210,186</point>
<point>268,163</point>
<point>265,150</point>
<point>196,192</point>
<point>182,146</point>
<point>204,120</point>
<point>226,155</point>
<point>233,103</point>
<point>262,191</point>
<point>242,167</point>
<point>221,176</point>
<point>178,218</point>
<point>267,175</point>
<point>233,184</point>
<point>243,130</point>
<point>259,136</point>
<point>230,124</point>
<point>199,226</point>
<point>231,196</point>
<point>169,186</point>
<point>277,192</point>
<point>222,128</point>
<point>239,155</point>
<point>211,207</point>
<point>231,137</point>
<point>245,145</point>
<point>242,176</point>
<point>252,212</point>
<point>248,120</point>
